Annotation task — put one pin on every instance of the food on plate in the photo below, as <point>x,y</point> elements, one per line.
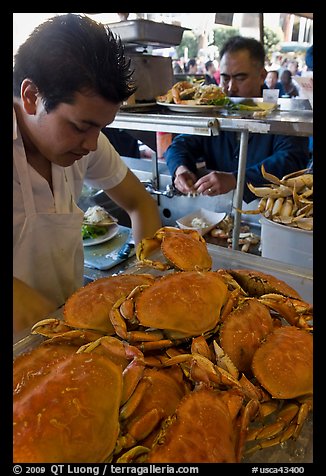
<point>93,231</point>
<point>188,93</point>
<point>224,230</point>
<point>96,222</point>
<point>288,200</point>
<point>198,222</point>
<point>98,216</point>
<point>185,92</point>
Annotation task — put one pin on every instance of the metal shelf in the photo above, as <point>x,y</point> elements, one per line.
<point>297,123</point>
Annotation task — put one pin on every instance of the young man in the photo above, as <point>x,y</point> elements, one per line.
<point>70,78</point>
<point>242,74</point>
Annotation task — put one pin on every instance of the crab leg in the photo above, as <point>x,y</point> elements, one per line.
<point>294,311</point>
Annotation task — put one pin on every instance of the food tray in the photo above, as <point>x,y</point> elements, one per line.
<point>301,279</point>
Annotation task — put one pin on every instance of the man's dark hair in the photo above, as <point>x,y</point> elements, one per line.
<point>274,71</point>
<point>238,43</point>
<point>208,64</point>
<point>192,62</point>
<point>70,53</point>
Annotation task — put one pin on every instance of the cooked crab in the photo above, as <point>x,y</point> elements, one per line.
<point>185,250</point>
<point>156,398</point>
<point>67,402</point>
<point>89,307</point>
<point>175,307</point>
<point>207,427</point>
<point>288,200</point>
<point>272,292</point>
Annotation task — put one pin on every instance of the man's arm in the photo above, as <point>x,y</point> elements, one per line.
<point>132,197</point>
<point>29,306</point>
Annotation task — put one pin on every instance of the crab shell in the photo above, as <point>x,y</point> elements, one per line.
<point>202,431</point>
<point>283,364</point>
<point>243,330</point>
<point>89,306</point>
<point>183,304</point>
<point>62,412</point>
<point>155,399</point>
<point>185,250</point>
<point>257,283</point>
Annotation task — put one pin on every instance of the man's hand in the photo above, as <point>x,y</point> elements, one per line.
<point>184,180</point>
<point>215,183</point>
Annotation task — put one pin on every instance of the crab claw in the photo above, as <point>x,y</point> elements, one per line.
<point>296,312</point>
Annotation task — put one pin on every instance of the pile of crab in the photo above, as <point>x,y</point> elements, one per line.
<point>288,200</point>
<point>168,368</point>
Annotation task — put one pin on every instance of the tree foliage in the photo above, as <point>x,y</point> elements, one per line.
<point>271,41</point>
<point>189,40</point>
<point>220,36</point>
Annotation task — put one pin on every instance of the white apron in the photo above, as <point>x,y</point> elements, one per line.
<point>49,252</point>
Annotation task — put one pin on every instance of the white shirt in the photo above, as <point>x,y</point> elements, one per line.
<point>47,241</point>
<point>102,169</point>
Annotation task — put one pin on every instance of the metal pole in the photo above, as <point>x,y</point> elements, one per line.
<point>238,197</point>
<point>261,27</point>
<point>155,174</point>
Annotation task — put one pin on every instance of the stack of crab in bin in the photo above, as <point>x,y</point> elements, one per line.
<point>180,364</point>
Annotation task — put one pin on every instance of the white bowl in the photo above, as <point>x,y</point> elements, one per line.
<point>211,219</point>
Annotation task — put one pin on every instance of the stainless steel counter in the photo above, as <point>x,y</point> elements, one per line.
<point>284,121</point>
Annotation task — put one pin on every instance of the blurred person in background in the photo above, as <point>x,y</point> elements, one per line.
<point>290,90</point>
<point>210,71</point>
<point>243,74</point>
<point>293,67</point>
<point>61,102</point>
<point>272,81</point>
<point>191,67</point>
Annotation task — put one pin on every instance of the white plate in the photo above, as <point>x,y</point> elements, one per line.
<point>189,107</point>
<point>112,231</point>
<point>212,218</point>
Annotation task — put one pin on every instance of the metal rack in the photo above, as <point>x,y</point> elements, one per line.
<point>287,121</point>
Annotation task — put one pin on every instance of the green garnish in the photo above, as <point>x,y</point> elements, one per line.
<point>93,231</point>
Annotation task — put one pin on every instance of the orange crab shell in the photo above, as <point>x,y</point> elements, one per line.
<point>283,364</point>
<point>202,431</point>
<point>162,390</point>
<point>185,303</point>
<point>89,306</point>
<point>257,283</point>
<point>186,252</point>
<point>243,331</point>
<point>70,412</point>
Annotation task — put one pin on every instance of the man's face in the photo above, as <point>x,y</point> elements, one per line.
<point>271,80</point>
<point>240,75</point>
<point>70,131</point>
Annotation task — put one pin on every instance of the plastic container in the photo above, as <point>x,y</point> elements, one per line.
<point>286,244</point>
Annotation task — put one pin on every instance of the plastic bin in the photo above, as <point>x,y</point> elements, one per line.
<point>286,244</point>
